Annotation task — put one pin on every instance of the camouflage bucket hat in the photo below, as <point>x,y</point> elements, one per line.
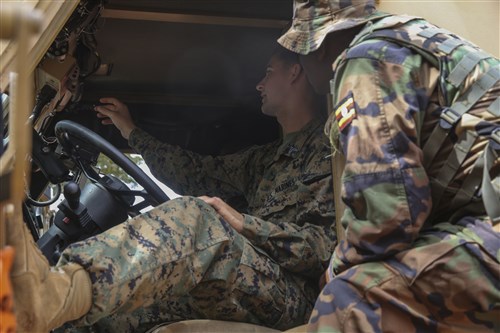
<point>314,19</point>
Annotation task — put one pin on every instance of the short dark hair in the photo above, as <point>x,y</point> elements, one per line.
<point>286,56</point>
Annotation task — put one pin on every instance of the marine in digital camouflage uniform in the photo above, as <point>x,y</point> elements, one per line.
<point>182,260</point>
<point>186,262</point>
<point>417,116</point>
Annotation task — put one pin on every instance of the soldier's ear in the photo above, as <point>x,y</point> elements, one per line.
<point>295,72</point>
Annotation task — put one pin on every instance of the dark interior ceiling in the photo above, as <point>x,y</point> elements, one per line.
<point>263,9</point>
<point>190,66</point>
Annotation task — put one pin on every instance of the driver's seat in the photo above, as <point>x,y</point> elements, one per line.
<point>218,326</point>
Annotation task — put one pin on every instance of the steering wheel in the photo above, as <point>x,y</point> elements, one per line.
<point>104,202</point>
<point>67,130</point>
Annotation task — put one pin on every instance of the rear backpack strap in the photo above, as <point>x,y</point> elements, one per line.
<point>433,31</point>
<point>465,66</point>
<point>494,108</point>
<point>450,44</point>
<point>491,188</point>
<point>450,116</point>
<point>440,183</point>
<point>470,186</point>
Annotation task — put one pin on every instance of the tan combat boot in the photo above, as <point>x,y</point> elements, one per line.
<point>44,297</point>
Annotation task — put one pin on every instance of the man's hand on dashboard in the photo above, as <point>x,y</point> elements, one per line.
<point>112,111</point>
<point>228,213</point>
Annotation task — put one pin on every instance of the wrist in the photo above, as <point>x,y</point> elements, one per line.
<point>127,131</point>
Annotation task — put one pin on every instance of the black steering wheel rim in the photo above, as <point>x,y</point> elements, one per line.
<point>157,196</point>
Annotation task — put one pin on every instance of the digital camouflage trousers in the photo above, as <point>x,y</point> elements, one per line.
<point>182,261</point>
<point>448,282</point>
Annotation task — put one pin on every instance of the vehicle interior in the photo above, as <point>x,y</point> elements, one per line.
<point>187,69</point>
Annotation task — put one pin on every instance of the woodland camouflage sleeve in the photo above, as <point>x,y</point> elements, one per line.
<point>385,186</point>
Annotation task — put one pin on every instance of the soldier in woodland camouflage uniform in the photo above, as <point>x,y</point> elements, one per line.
<point>197,257</point>
<point>417,116</point>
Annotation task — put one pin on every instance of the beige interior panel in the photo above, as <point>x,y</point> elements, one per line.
<point>475,20</point>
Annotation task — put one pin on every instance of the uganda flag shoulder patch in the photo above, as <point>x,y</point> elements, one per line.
<point>345,112</point>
